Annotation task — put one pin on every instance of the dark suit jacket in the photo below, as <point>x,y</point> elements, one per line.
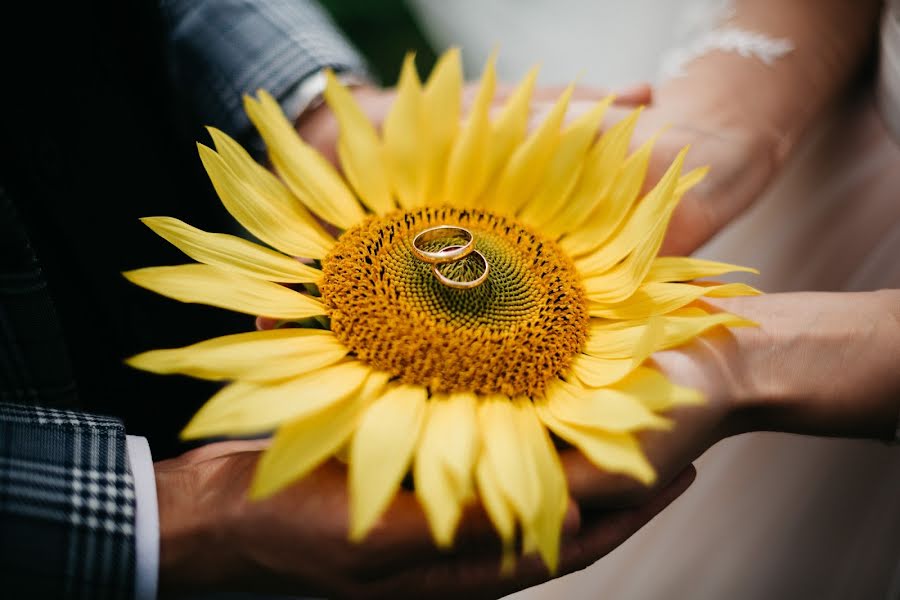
<point>101,105</point>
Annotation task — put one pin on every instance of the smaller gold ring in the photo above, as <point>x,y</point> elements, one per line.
<point>444,255</point>
<point>462,285</point>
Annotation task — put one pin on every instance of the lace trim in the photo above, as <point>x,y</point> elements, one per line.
<point>748,44</point>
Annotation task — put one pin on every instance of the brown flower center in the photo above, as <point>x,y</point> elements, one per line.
<point>511,335</point>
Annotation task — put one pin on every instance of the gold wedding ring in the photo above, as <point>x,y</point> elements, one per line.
<point>462,285</point>
<point>452,253</point>
<point>445,255</point>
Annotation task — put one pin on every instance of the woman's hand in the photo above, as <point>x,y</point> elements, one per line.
<point>819,363</point>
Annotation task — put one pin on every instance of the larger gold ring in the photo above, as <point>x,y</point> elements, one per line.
<point>448,254</point>
<point>462,285</point>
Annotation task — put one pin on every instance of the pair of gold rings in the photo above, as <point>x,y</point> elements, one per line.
<point>451,253</point>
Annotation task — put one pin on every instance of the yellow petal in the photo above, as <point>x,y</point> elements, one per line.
<point>254,356</point>
<point>204,284</point>
<point>608,215</point>
<point>612,452</point>
<point>406,138</point>
<point>652,389</point>
<point>262,182</point>
<point>306,172</point>
<point>611,325</point>
<point>596,372</point>
<point>605,409</point>
<point>528,163</point>
<point>660,298</point>
<point>304,444</point>
<point>656,206</point>
<point>502,441</point>
<point>278,221</point>
<point>602,165</point>
<point>498,509</point>
<point>441,100</point>
<point>620,282</point>
<point>359,148</point>
<point>553,194</point>
<point>508,131</point>
<point>620,343</point>
<point>444,467</point>
<point>380,453</point>
<point>546,529</point>
<point>244,408</point>
<point>232,253</point>
<point>690,179</point>
<point>679,268</point>
<point>453,429</point>
<point>467,170</point>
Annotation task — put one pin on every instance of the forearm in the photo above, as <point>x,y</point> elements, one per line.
<point>819,363</point>
<point>830,39</point>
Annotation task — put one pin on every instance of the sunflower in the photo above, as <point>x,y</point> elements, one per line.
<point>468,391</point>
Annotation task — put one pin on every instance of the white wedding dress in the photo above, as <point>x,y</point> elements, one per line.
<point>770,516</point>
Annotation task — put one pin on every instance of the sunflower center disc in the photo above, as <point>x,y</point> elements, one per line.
<point>511,335</point>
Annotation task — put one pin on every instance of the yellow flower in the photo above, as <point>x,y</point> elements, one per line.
<point>398,373</point>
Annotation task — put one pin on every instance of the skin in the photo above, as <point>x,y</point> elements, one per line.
<point>779,376</point>
<point>818,364</point>
<point>214,538</point>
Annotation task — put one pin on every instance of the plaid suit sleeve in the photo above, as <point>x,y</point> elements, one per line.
<point>218,50</point>
<point>67,505</point>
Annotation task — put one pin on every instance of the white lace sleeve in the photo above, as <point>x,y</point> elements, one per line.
<point>702,31</point>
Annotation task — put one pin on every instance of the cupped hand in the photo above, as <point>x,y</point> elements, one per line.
<point>743,158</point>
<point>319,128</point>
<point>296,542</point>
<point>741,162</point>
<point>818,363</point>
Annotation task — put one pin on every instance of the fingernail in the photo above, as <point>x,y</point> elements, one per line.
<point>636,92</point>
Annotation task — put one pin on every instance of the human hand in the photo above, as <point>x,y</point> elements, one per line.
<point>819,364</point>
<point>319,127</point>
<point>741,160</point>
<point>741,157</point>
<point>296,542</point>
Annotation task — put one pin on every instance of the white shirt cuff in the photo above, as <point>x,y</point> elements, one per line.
<point>308,93</point>
<point>146,522</point>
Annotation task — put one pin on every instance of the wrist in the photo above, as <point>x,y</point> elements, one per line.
<point>318,126</point>
<point>196,549</point>
<point>819,363</point>
<point>730,103</point>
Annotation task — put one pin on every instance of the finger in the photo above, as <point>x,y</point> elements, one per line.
<point>635,94</point>
<point>264,323</point>
<point>603,531</point>
<point>632,95</point>
<point>402,537</point>
<point>594,487</point>
<point>480,577</point>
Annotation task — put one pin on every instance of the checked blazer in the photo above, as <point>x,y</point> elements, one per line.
<point>67,505</point>
<point>67,500</point>
<point>109,101</point>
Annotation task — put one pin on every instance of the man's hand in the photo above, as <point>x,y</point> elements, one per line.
<point>214,538</point>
